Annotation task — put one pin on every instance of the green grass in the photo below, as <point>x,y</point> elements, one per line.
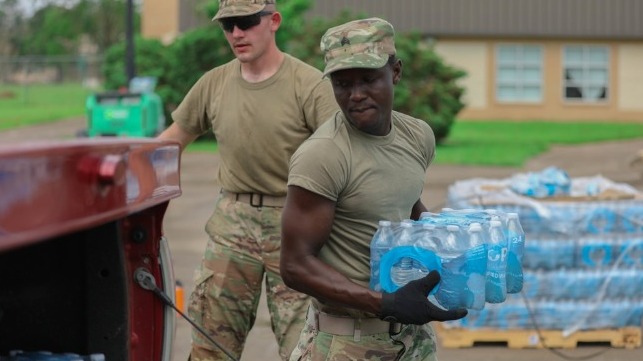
<point>507,143</point>
<point>40,103</point>
<point>491,143</point>
<point>205,145</point>
<point>498,143</point>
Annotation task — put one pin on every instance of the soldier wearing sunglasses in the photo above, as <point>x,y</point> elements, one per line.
<point>260,106</point>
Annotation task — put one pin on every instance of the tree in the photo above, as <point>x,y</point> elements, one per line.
<point>191,55</point>
<point>429,88</point>
<point>52,31</point>
<point>151,60</point>
<point>56,27</point>
<point>11,26</point>
<point>109,25</point>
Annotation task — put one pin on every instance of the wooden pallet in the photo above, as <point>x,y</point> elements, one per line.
<point>628,337</point>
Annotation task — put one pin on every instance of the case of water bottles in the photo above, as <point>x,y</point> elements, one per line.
<point>583,264</point>
<point>477,253</point>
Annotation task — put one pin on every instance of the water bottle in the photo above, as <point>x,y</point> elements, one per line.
<point>402,272</point>
<point>516,247</point>
<point>512,315</point>
<point>425,244</point>
<point>426,217</point>
<point>631,251</point>
<point>496,280</point>
<point>464,261</point>
<point>452,240</point>
<point>382,241</point>
<point>476,265</point>
<point>453,291</point>
<point>635,313</point>
<point>601,220</point>
<point>594,252</point>
<point>430,238</point>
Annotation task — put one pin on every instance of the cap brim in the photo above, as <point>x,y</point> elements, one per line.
<point>231,12</point>
<point>361,61</point>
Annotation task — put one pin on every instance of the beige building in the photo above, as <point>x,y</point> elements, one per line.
<point>166,19</point>
<point>525,59</point>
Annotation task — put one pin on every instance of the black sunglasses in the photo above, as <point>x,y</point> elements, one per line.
<point>243,22</point>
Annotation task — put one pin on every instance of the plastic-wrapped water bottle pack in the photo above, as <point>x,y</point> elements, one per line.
<point>586,206</point>
<point>551,181</point>
<point>551,314</point>
<point>583,262</point>
<point>577,284</point>
<point>478,254</point>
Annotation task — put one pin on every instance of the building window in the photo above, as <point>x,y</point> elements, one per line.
<point>519,73</point>
<point>586,73</point>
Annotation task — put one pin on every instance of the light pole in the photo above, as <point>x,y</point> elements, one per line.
<point>130,65</point>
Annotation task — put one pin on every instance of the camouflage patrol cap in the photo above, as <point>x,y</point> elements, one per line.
<point>365,43</point>
<point>231,8</point>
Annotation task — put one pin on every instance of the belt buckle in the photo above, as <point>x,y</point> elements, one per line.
<point>394,328</point>
<point>260,200</point>
<point>357,330</point>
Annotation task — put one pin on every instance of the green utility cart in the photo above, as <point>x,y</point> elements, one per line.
<point>137,112</point>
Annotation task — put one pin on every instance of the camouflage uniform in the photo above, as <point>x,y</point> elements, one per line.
<point>232,271</point>
<point>366,43</point>
<point>231,8</point>
<point>413,342</point>
<point>245,240</point>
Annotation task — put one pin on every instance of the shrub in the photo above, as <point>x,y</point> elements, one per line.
<point>191,55</point>
<point>151,59</point>
<point>429,88</point>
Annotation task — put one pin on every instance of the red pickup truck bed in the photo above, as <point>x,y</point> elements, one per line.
<point>78,219</point>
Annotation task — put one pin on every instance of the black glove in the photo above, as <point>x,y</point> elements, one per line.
<point>409,304</point>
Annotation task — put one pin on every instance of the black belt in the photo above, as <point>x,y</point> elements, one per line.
<point>255,199</point>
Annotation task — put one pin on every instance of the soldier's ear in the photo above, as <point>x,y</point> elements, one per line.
<point>397,71</point>
<point>275,21</point>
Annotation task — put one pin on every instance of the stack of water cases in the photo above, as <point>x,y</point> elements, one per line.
<point>19,355</point>
<point>583,262</point>
<point>477,253</point>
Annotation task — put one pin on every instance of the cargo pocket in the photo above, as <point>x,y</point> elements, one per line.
<point>198,309</point>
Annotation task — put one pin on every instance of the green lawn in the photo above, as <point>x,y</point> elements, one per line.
<point>205,145</point>
<point>512,143</point>
<point>470,142</point>
<point>35,104</point>
<point>507,143</point>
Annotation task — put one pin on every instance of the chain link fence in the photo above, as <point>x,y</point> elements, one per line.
<point>25,70</point>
